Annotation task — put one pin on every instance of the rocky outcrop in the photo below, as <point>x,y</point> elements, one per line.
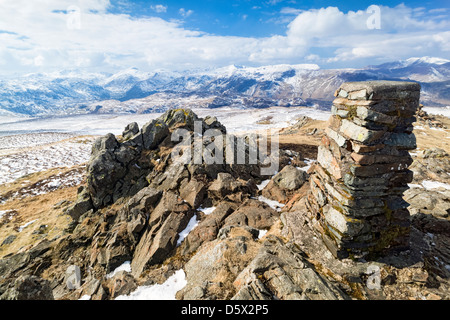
<point>138,199</point>
<point>28,288</point>
<point>285,183</point>
<point>159,237</point>
<point>253,270</point>
<point>280,271</point>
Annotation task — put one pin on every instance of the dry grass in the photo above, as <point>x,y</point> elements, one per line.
<point>427,137</point>
<point>50,220</point>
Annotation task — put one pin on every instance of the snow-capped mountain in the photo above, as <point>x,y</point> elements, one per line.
<point>132,90</point>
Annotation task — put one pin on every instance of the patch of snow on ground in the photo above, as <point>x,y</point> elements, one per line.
<point>308,162</point>
<point>235,120</point>
<point>413,185</point>
<point>429,185</point>
<point>263,184</point>
<point>24,162</point>
<point>26,225</point>
<point>165,291</point>
<point>438,111</point>
<point>2,213</point>
<point>93,124</point>
<point>193,223</point>
<point>207,211</point>
<point>32,139</point>
<point>262,233</point>
<point>85,297</point>
<point>126,266</point>
<point>272,203</point>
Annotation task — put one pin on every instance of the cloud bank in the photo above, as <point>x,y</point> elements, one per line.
<point>65,34</point>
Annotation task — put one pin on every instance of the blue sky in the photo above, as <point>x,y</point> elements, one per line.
<point>248,18</point>
<point>109,35</point>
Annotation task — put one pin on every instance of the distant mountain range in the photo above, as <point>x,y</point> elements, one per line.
<point>133,91</point>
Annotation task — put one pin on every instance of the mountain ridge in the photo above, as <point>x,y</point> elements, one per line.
<point>77,92</point>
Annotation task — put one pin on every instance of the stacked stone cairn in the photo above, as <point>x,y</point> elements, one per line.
<point>362,171</point>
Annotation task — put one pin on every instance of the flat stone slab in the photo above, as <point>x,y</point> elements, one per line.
<point>378,90</point>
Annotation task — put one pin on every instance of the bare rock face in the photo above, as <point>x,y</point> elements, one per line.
<point>253,213</point>
<point>226,186</point>
<point>29,288</point>
<point>208,228</point>
<point>284,184</point>
<point>257,271</point>
<point>280,271</point>
<point>160,236</point>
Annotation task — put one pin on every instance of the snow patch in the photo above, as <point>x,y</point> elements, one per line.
<point>272,203</point>
<point>263,184</point>
<point>26,225</point>
<point>308,162</point>
<point>207,211</point>
<point>413,185</point>
<point>165,291</point>
<point>262,233</point>
<point>444,111</point>
<point>430,185</point>
<point>193,223</point>
<point>126,266</point>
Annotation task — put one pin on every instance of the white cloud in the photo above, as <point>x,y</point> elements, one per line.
<point>159,8</point>
<point>291,11</point>
<point>402,34</point>
<point>37,37</point>
<point>185,13</point>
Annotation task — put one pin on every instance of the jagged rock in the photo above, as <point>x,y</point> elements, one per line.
<point>73,277</point>
<point>108,142</point>
<point>225,186</point>
<point>284,184</point>
<point>104,171</point>
<point>160,236</point>
<point>91,286</point>
<point>210,272</point>
<point>170,178</point>
<point>180,118</point>
<point>119,243</point>
<point>82,205</point>
<point>122,283</point>
<point>193,192</point>
<point>137,209</point>
<point>153,133</point>
<point>253,213</point>
<point>9,239</point>
<point>24,262</point>
<point>118,248</point>
<point>279,271</point>
<point>208,228</point>
<point>290,178</point>
<point>431,164</point>
<point>118,169</point>
<point>28,287</point>
<point>213,123</point>
<point>429,202</point>
<point>130,130</point>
